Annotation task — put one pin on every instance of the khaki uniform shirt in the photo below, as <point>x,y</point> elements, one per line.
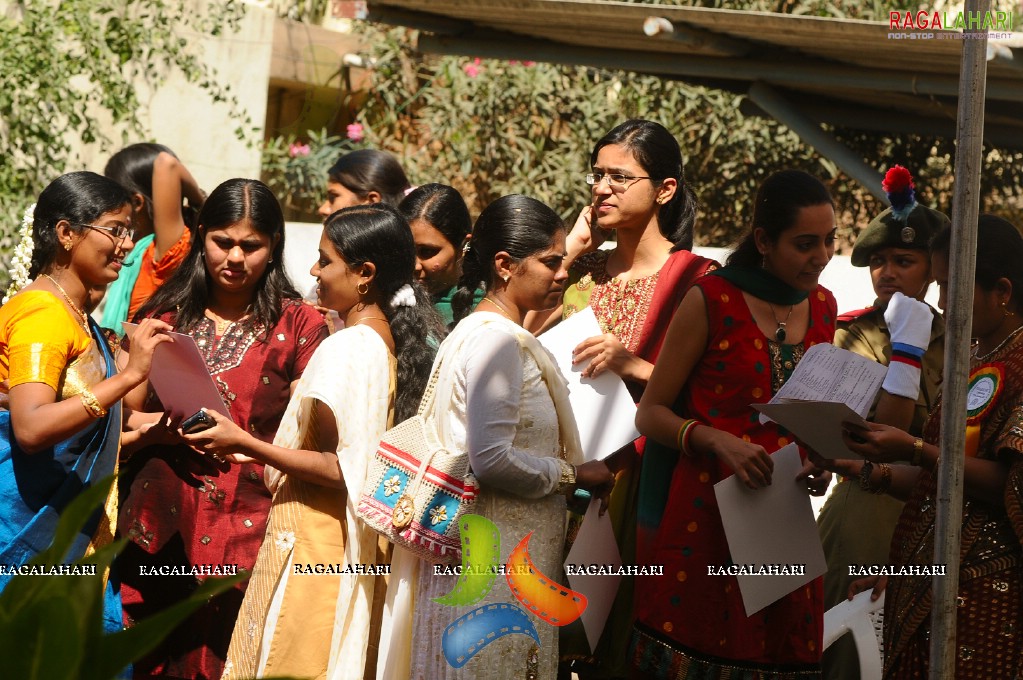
<point>866,333</point>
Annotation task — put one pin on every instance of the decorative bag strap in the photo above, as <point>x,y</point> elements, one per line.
<point>429,394</point>
<point>423,464</point>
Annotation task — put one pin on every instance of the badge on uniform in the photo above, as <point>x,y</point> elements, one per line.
<point>908,234</point>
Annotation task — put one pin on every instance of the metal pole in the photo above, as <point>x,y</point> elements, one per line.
<point>958,321</point>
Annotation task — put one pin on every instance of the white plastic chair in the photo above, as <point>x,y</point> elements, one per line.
<point>855,616</point>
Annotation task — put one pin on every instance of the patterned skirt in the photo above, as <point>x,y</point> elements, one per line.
<point>654,656</point>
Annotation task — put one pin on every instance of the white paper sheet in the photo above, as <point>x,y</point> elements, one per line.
<point>818,424</point>
<point>829,373</point>
<point>180,377</point>
<point>603,407</point>
<point>595,545</point>
<point>771,526</point>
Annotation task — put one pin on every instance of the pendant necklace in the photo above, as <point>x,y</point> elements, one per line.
<point>779,332</point>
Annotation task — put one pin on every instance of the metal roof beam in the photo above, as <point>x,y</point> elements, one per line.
<point>768,99</point>
<point>661,28</point>
<point>890,121</point>
<point>498,45</point>
<point>421,21</point>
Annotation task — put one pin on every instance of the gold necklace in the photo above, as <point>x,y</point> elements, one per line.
<point>368,318</point>
<point>501,308</point>
<point>67,299</point>
<point>220,324</point>
<point>1003,343</point>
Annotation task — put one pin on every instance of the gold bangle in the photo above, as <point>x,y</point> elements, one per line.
<point>918,452</point>
<point>886,479</point>
<point>566,485</point>
<point>91,404</point>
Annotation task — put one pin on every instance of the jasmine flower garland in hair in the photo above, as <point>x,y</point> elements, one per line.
<point>22,259</point>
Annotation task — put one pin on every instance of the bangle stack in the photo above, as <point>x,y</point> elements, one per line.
<point>684,432</point>
<point>918,452</point>
<point>566,485</point>
<point>886,478</point>
<point>91,404</point>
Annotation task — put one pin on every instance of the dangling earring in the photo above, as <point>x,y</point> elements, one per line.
<point>1006,312</point>
<point>362,288</point>
<point>68,246</point>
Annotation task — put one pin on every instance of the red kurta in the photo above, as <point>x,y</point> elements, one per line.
<point>686,608</point>
<point>181,511</point>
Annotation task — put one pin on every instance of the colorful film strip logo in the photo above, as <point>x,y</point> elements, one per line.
<point>536,592</point>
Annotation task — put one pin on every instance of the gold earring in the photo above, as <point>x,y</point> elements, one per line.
<point>362,288</point>
<point>68,246</point>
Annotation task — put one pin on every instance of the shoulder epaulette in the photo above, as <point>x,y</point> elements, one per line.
<point>849,317</point>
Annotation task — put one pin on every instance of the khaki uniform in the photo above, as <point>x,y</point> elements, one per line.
<point>856,526</point>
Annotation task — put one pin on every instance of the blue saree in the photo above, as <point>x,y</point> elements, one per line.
<point>35,488</point>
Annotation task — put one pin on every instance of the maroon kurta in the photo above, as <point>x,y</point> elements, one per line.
<point>180,511</point>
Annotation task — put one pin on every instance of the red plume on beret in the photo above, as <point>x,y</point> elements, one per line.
<point>898,184</point>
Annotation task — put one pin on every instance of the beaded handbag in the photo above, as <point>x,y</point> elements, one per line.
<point>416,489</point>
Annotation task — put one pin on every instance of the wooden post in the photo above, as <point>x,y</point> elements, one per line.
<point>958,321</point>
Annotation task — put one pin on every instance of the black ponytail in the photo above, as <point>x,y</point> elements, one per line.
<point>515,224</point>
<point>377,233</point>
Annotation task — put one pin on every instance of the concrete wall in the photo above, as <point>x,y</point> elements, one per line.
<point>183,117</point>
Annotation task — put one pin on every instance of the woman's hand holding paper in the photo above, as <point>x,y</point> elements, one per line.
<point>878,443</point>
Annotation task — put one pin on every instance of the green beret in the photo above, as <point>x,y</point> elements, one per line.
<point>888,231</point>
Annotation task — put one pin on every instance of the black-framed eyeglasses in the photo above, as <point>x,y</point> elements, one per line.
<point>119,231</point>
<point>614,179</point>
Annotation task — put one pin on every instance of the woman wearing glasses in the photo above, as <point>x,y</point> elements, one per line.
<point>181,508</point>
<point>60,431</point>
<point>159,184</point>
<point>638,190</point>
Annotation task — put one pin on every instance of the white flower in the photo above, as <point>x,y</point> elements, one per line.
<point>392,485</point>
<point>285,540</point>
<point>438,514</point>
<point>22,258</point>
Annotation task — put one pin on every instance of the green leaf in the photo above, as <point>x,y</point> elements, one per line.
<point>113,652</point>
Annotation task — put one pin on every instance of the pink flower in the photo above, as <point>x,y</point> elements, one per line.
<point>472,70</point>
<point>297,149</point>
<point>529,63</point>
<point>355,132</point>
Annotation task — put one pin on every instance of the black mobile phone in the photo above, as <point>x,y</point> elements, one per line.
<point>197,422</point>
